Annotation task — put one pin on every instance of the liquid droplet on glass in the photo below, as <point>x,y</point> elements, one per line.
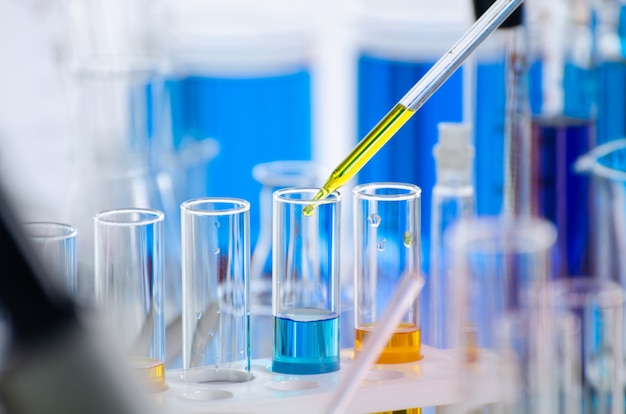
<point>374,220</point>
<point>217,250</point>
<point>381,244</point>
<point>211,333</point>
<point>218,311</point>
<point>408,239</point>
<point>217,224</point>
<point>198,315</point>
<point>241,351</point>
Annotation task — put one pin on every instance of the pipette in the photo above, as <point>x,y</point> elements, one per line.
<point>416,97</point>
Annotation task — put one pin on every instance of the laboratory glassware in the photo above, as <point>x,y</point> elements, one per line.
<point>502,118</point>
<point>117,113</point>
<point>305,294</point>
<point>606,167</point>
<point>539,358</point>
<point>128,248</point>
<point>216,290</point>
<point>397,43</point>
<point>563,101</point>
<point>224,55</point>
<point>611,71</point>
<point>598,307</point>
<point>272,176</point>
<point>387,239</point>
<point>416,97</point>
<point>56,244</point>
<point>496,263</point>
<point>53,363</point>
<point>453,198</point>
<point>403,299</point>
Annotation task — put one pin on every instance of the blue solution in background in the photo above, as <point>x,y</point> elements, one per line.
<point>611,118</point>
<point>306,343</point>
<point>253,119</point>
<point>560,194</point>
<point>408,156</point>
<point>489,137</point>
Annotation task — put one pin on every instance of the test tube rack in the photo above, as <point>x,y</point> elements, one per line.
<point>432,381</point>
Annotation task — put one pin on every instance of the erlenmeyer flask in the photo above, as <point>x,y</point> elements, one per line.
<point>272,176</point>
<point>116,108</point>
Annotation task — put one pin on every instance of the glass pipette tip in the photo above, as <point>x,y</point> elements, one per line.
<point>416,97</point>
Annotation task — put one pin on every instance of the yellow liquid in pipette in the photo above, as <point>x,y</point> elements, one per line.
<point>364,150</point>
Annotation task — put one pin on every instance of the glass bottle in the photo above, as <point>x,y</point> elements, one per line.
<point>453,198</point>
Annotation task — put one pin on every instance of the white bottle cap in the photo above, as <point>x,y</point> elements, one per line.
<point>455,150</point>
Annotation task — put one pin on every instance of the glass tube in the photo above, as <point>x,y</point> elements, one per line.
<point>305,296</point>
<point>397,44</point>
<point>216,290</point>
<point>129,286</point>
<point>562,77</point>
<point>387,235</point>
<point>272,176</point>
<point>56,243</point>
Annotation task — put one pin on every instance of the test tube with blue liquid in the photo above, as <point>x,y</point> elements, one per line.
<point>305,295</point>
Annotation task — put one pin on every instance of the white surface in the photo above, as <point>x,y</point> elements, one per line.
<point>432,381</point>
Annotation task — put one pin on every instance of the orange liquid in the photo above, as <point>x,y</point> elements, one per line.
<point>407,411</point>
<point>404,346</point>
<point>151,371</point>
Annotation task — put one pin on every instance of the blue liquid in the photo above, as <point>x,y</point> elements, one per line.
<point>558,193</point>
<point>611,119</point>
<point>407,157</point>
<point>306,345</point>
<point>254,120</point>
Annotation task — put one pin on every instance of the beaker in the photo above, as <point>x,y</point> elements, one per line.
<point>496,266</point>
<point>273,176</point>
<point>598,307</point>
<point>387,238</point>
<point>216,290</point>
<point>305,295</point>
<point>496,262</point>
<point>128,246</point>
<point>606,166</point>
<point>117,110</point>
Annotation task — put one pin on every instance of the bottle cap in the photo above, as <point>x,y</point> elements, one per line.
<point>455,150</point>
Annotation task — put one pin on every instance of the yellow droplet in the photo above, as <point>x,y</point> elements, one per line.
<point>408,239</point>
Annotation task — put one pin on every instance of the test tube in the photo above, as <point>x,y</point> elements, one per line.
<point>387,238</point>
<point>272,176</point>
<point>216,289</point>
<point>305,296</point>
<point>129,285</point>
<point>56,245</point>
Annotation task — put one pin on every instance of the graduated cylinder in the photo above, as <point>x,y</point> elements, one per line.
<point>387,239</point>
